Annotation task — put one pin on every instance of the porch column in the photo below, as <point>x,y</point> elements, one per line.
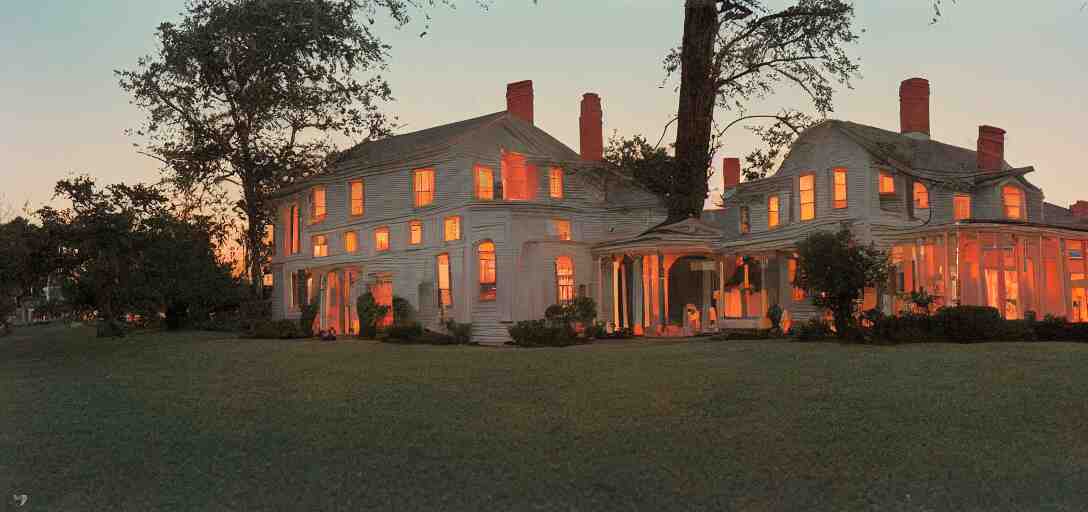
<point>626,295</point>
<point>1064,274</point>
<point>636,294</point>
<point>764,261</point>
<point>720,311</point>
<point>600,287</point>
<point>662,290</point>
<point>615,293</point>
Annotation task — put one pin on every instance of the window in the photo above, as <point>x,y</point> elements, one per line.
<point>555,183</point>
<point>487,270</point>
<point>415,232</point>
<point>564,279</point>
<point>772,212</point>
<point>269,280</point>
<point>745,222</point>
<point>798,293</point>
<point>357,197</point>
<point>317,204</point>
<point>270,237</point>
<point>293,299</point>
<point>921,196</point>
<point>1013,200</point>
<point>561,228</point>
<point>519,179</point>
<point>485,183</point>
<point>296,240</point>
<point>839,175</point>
<point>381,239</point>
<point>321,246</point>
<point>961,206</point>
<point>445,296</point>
<point>351,241</point>
<point>887,183</point>
<point>807,185</point>
<point>423,187</point>
<point>1075,262</point>
<point>452,229</point>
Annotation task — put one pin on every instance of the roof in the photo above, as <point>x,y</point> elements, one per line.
<point>690,232</point>
<point>1060,216</point>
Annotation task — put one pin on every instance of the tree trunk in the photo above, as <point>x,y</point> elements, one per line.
<point>695,113</point>
<point>254,244</point>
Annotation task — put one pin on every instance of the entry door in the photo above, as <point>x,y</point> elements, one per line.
<point>1080,305</point>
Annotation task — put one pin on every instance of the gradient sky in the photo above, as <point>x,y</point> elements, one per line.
<point>1003,63</point>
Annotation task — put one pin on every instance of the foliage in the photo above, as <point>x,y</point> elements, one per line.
<point>921,300</point>
<point>595,330</point>
<point>541,333</point>
<point>461,332</point>
<point>25,262</point>
<point>967,323</point>
<point>774,314</point>
<point>403,312</point>
<point>252,313</point>
<point>277,329</point>
<point>414,333</point>
<point>408,331</point>
<point>582,311</point>
<point>370,313</point>
<point>834,270</point>
<point>814,329</point>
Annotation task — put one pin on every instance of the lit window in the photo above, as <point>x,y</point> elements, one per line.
<point>887,183</point>
<point>1013,200</point>
<point>772,211</point>
<point>1075,249</point>
<point>269,280</point>
<point>561,228</point>
<point>745,222</point>
<point>415,232</point>
<point>564,278</point>
<point>921,196</point>
<point>445,295</point>
<point>840,187</point>
<point>555,183</point>
<point>317,204</point>
<point>293,299</point>
<point>452,229</point>
<point>423,187</point>
<point>296,236</point>
<point>798,293</point>
<point>961,206</point>
<point>519,179</point>
<point>487,270</point>
<point>270,237</point>
<point>321,246</point>
<point>807,186</point>
<point>357,198</point>
<point>381,239</point>
<point>485,183</point>
<point>351,241</point>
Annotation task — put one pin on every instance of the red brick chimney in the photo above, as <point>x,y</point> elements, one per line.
<point>590,126</point>
<point>991,148</point>
<point>519,100</point>
<point>1079,209</point>
<point>730,172</point>
<point>914,108</point>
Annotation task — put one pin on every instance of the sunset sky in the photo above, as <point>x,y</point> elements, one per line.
<point>1020,66</point>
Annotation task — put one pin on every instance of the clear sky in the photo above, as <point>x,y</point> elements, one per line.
<point>1022,66</point>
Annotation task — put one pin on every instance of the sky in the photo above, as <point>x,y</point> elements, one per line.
<point>1016,65</point>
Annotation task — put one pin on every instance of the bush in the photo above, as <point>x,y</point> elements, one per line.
<point>537,333</point>
<point>370,313</point>
<point>595,330</point>
<point>253,312</point>
<point>405,332</point>
<point>403,312</point>
<point>774,314</point>
<point>306,319</point>
<point>964,324</point>
<point>1057,328</point>
<point>279,329</point>
<point>905,328</point>
<point>814,329</point>
<point>461,333</point>
<point>415,334</point>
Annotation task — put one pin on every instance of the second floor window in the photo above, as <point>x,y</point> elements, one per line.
<point>961,206</point>
<point>452,229</point>
<point>485,183</point>
<point>295,240</point>
<point>486,254</point>
<point>415,232</point>
<point>351,241</point>
<point>555,183</point>
<point>381,239</point>
<point>423,187</point>
<point>317,204</point>
<point>921,196</point>
<point>745,221</point>
<point>357,197</point>
<point>1012,198</point>
<point>321,246</point>
<point>519,178</point>
<point>772,212</point>
<point>840,187</point>
<point>561,229</point>
<point>887,183</point>
<point>564,279</point>
<point>807,186</point>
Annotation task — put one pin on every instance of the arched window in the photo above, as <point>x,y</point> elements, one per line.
<point>486,252</point>
<point>921,195</point>
<point>1013,200</point>
<point>564,279</point>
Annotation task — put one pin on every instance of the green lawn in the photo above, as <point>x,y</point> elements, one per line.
<point>195,422</point>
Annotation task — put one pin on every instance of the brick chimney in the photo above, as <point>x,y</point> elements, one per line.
<point>914,108</point>
<point>730,172</point>
<point>991,148</point>
<point>590,125</point>
<point>1079,209</point>
<point>519,100</point>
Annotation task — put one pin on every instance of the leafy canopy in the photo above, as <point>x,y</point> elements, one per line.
<point>834,270</point>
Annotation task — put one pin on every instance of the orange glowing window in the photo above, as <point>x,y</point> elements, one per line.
<point>423,187</point>
<point>961,206</point>
<point>381,239</point>
<point>296,240</point>
<point>561,227</point>
<point>351,241</point>
<point>321,246</point>
<point>798,293</point>
<point>555,183</point>
<point>415,232</point>
<point>807,186</point>
<point>317,204</point>
<point>887,183</point>
<point>839,175</point>
<point>270,237</point>
<point>745,220</point>
<point>486,255</point>
<point>564,279</point>
<point>519,179</point>
<point>1012,198</point>
<point>452,228</point>
<point>444,293</point>
<point>1075,250</point>
<point>921,196</point>
<point>357,197</point>
<point>772,212</point>
<point>485,183</point>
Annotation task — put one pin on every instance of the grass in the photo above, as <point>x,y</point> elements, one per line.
<point>191,421</point>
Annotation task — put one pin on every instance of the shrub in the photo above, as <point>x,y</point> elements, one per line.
<point>964,324</point>
<point>774,314</point>
<point>306,320</point>
<point>253,312</point>
<point>405,332</point>
<point>537,333</point>
<point>403,312</point>
<point>461,333</point>
<point>370,313</point>
<point>595,330</point>
<point>814,329</point>
<point>279,329</point>
<point>905,328</point>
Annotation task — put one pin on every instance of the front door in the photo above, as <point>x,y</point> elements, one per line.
<point>1080,305</point>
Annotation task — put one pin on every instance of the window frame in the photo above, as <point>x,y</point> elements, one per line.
<point>745,220</point>
<point>837,202</point>
<point>354,238</point>
<point>324,245</point>
<point>417,184</point>
<point>565,281</point>
<point>388,242</point>
<point>316,217</point>
<point>412,231</point>
<point>775,220</point>
<point>955,211</point>
<point>446,228</point>
<point>555,183</point>
<point>487,274</point>
<point>915,195</point>
<point>1021,199</point>
<point>352,200</point>
<point>556,223</point>
<point>885,176</point>
<point>477,175</point>
<point>294,242</point>
<point>444,299</point>
<point>801,196</point>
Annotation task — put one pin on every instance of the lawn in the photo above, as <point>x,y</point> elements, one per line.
<point>193,421</point>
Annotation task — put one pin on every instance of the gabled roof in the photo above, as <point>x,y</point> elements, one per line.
<point>690,232</point>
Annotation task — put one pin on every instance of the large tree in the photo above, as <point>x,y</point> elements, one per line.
<point>834,270</point>
<point>25,262</point>
<point>245,93</point>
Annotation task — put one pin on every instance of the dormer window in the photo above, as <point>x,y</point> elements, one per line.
<point>555,183</point>
<point>887,183</point>
<point>519,178</point>
<point>1012,198</point>
<point>921,196</point>
<point>772,212</point>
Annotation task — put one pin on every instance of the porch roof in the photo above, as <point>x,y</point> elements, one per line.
<point>691,234</point>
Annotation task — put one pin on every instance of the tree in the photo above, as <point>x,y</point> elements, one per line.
<point>834,270</point>
<point>244,93</point>
<point>24,265</point>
